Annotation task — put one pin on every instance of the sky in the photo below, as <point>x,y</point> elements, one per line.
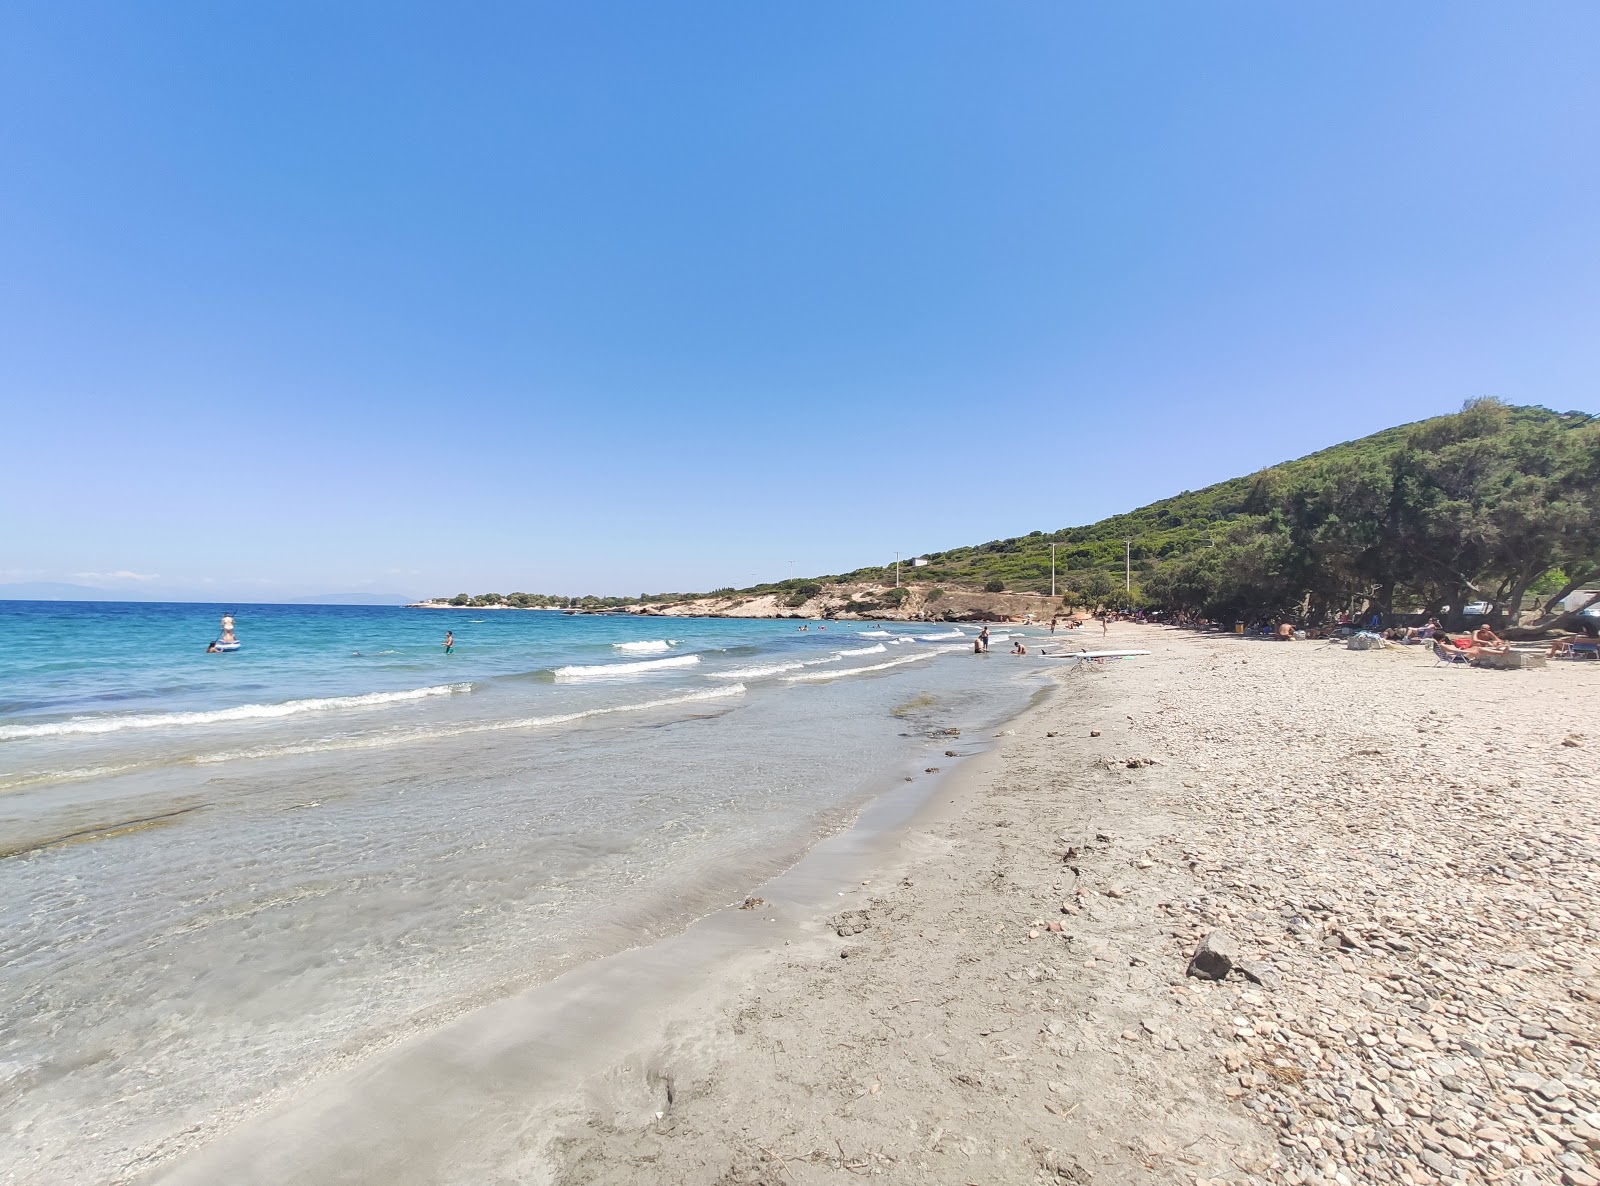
<point>620,298</point>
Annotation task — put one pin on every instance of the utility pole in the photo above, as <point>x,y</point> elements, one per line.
<point>1052,570</point>
<point>897,570</point>
<point>1127,566</point>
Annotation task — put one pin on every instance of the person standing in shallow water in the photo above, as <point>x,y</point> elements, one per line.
<point>983,639</point>
<point>449,642</point>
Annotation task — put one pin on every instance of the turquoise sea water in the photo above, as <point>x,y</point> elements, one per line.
<point>224,876</point>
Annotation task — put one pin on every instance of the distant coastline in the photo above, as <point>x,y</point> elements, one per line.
<point>811,602</point>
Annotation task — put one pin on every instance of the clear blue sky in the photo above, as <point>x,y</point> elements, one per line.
<point>299,298</point>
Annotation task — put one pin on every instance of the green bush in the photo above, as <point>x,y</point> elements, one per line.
<point>994,586</point>
<point>935,593</point>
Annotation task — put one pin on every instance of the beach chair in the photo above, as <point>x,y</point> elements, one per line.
<point>1449,655</point>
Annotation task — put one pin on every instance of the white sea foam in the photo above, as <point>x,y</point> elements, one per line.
<point>244,712</point>
<point>379,740</point>
<point>607,670</point>
<point>844,671</point>
<point>655,646</point>
<point>873,634</point>
<point>877,650</point>
<point>50,776</point>
<point>941,637</point>
<point>755,672</point>
<point>773,668</point>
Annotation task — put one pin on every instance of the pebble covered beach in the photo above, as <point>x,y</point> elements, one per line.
<point>1394,865</point>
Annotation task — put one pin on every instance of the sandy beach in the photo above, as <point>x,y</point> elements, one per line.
<point>1404,857</point>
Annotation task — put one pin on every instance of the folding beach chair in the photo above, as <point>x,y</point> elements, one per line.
<point>1449,655</point>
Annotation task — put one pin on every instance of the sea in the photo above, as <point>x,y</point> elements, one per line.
<point>227,877</point>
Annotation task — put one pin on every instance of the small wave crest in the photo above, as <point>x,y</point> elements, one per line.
<point>941,637</point>
<point>814,676</point>
<point>771,668</point>
<point>873,634</point>
<point>243,712</point>
<point>607,670</point>
<point>654,646</point>
<point>877,650</point>
<point>755,672</point>
<point>380,740</point>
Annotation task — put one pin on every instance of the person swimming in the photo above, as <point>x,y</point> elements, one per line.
<point>449,642</point>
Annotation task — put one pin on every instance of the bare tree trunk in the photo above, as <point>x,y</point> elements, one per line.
<point>1518,591</point>
<point>1386,602</point>
<point>1584,578</point>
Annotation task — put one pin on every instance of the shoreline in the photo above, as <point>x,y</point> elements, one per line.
<point>1421,991</point>
<point>911,602</point>
<point>929,1024</point>
<point>564,1033</point>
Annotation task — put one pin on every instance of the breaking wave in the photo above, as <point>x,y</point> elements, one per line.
<point>655,646</point>
<point>376,741</point>
<point>607,670</point>
<point>244,712</point>
<point>842,672</point>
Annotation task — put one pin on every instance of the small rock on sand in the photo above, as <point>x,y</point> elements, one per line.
<point>1215,956</point>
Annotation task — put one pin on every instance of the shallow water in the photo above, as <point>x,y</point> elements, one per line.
<point>230,875</point>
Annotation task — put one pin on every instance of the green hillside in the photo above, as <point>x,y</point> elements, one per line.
<point>1490,502</point>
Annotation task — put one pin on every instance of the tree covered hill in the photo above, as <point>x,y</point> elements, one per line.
<point>1498,444</point>
<point>1490,503</point>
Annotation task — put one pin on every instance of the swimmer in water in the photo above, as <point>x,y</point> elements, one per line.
<point>212,648</point>
<point>449,642</point>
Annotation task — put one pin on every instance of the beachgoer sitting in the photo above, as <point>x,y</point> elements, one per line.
<point>1018,649</point>
<point>1488,640</point>
<point>1468,646</point>
<point>1583,643</point>
<point>1286,631</point>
